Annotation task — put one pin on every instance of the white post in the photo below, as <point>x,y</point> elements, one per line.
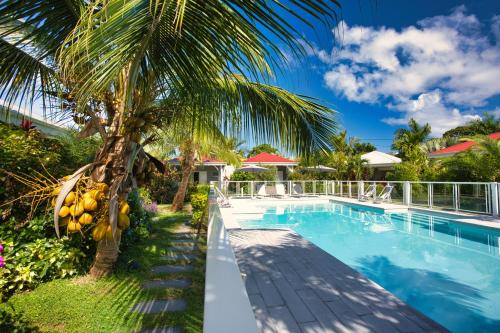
<point>361,189</point>
<point>495,209</point>
<point>350,189</point>
<point>289,187</point>
<point>407,193</point>
<point>251,189</point>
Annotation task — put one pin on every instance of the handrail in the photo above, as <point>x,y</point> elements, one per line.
<point>473,197</point>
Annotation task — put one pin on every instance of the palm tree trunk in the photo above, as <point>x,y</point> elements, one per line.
<point>187,168</point>
<point>114,158</point>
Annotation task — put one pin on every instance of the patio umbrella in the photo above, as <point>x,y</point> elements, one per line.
<point>321,168</point>
<point>253,168</point>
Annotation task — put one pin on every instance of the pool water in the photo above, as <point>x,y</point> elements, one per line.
<point>448,271</point>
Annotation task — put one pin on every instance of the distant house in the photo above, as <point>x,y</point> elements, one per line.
<point>381,163</point>
<point>207,170</point>
<point>43,125</point>
<point>459,147</point>
<point>282,164</point>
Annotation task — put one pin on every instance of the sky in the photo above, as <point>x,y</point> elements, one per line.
<point>390,60</point>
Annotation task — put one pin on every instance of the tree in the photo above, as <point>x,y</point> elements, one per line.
<point>363,147</point>
<point>486,125</point>
<point>263,148</point>
<point>106,63</point>
<point>407,141</point>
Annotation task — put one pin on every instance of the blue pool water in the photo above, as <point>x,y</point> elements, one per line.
<point>448,271</point>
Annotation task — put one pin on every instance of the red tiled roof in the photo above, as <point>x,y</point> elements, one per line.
<point>460,147</point>
<point>267,158</point>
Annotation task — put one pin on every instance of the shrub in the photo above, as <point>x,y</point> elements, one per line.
<point>31,152</point>
<point>140,220</point>
<point>199,203</point>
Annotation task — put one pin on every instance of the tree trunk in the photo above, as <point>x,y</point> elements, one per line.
<point>114,159</point>
<point>187,168</point>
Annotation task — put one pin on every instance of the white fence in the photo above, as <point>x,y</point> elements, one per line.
<point>480,198</point>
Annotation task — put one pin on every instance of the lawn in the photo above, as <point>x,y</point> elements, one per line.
<point>85,305</point>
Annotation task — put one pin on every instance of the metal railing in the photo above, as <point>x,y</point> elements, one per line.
<point>482,198</point>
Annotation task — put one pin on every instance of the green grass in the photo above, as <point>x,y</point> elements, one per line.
<point>84,305</point>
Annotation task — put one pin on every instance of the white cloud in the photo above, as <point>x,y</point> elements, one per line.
<point>404,68</point>
<point>429,108</point>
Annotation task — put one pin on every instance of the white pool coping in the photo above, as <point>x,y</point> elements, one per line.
<point>227,307</point>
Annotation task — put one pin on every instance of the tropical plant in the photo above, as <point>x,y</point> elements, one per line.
<point>407,141</point>
<point>263,148</point>
<point>486,125</point>
<point>105,63</point>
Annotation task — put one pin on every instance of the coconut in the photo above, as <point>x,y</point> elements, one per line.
<point>123,221</point>
<point>74,226</point>
<point>64,211</point>
<point>109,232</point>
<point>89,204</point>
<point>70,198</point>
<point>99,231</point>
<point>124,208</point>
<point>102,187</point>
<point>76,210</point>
<point>86,218</point>
<point>56,191</point>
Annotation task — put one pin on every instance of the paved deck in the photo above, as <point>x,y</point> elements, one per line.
<point>294,286</point>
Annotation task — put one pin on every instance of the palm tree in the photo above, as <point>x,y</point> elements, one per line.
<point>106,63</point>
<point>407,141</point>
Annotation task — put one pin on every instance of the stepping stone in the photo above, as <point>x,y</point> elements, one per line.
<point>175,329</point>
<point>158,306</point>
<point>180,256</point>
<point>182,248</point>
<point>167,284</point>
<point>172,269</point>
<point>184,235</point>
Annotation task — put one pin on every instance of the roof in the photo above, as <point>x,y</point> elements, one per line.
<point>205,161</point>
<point>378,158</point>
<point>266,158</point>
<point>460,147</point>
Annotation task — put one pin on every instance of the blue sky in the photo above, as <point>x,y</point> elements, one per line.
<point>436,61</point>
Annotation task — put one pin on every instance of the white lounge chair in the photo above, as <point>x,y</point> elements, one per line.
<point>280,190</point>
<point>369,193</point>
<point>297,190</point>
<point>261,192</point>
<point>385,195</point>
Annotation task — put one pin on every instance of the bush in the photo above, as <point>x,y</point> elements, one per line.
<point>14,322</point>
<point>32,256</point>
<point>199,203</point>
<point>30,153</point>
<point>140,221</point>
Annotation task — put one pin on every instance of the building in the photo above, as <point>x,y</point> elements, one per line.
<point>45,126</point>
<point>381,163</point>
<point>283,165</point>
<point>458,148</point>
<point>207,170</point>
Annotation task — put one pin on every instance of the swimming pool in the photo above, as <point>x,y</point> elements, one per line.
<point>448,271</point>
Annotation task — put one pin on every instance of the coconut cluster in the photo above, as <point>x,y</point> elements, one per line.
<point>89,206</point>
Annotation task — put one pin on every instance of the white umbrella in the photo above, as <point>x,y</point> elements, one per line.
<point>253,168</point>
<point>321,168</point>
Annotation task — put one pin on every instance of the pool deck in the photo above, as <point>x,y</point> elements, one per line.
<point>294,286</point>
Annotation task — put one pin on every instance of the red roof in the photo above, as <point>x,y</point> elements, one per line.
<point>463,146</point>
<point>267,158</point>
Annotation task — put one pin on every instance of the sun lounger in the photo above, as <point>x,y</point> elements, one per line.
<point>261,191</point>
<point>385,195</point>
<point>280,190</point>
<point>369,193</point>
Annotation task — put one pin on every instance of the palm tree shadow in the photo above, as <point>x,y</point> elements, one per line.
<point>437,295</point>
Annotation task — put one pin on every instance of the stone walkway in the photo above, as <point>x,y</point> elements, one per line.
<point>181,249</point>
<point>294,286</point>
